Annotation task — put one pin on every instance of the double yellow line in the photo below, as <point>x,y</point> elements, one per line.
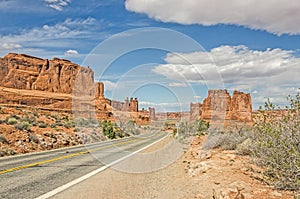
<point>64,157</point>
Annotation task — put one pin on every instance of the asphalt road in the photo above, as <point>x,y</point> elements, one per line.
<point>32,175</point>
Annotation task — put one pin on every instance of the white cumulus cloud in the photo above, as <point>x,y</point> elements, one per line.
<point>278,16</point>
<point>234,64</point>
<point>71,52</point>
<point>269,73</point>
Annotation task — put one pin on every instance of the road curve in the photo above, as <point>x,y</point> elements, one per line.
<point>32,175</point>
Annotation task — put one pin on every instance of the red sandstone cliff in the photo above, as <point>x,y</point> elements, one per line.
<point>26,72</point>
<point>220,108</point>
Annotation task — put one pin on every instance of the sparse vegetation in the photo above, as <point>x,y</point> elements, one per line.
<point>6,151</point>
<point>69,124</point>
<point>22,126</point>
<point>273,143</point>
<point>43,125</point>
<point>186,129</point>
<point>277,145</point>
<point>1,110</point>
<point>227,140</point>
<point>12,121</point>
<point>3,139</point>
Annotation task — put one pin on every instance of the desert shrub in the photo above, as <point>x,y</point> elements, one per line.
<point>86,122</point>
<point>22,126</point>
<point>69,124</point>
<point>54,125</point>
<point>227,140</point>
<point>36,114</point>
<point>43,125</point>
<point>187,130</point>
<point>12,121</point>
<point>276,144</point>
<point>33,138</point>
<point>201,125</point>
<point>1,110</point>
<point>6,151</point>
<point>108,129</point>
<point>35,123</point>
<point>3,139</point>
<point>246,147</point>
<point>28,119</point>
<point>54,116</point>
<point>59,124</point>
<point>65,117</point>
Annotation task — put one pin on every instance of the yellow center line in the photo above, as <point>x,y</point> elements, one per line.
<point>67,156</point>
<point>63,157</point>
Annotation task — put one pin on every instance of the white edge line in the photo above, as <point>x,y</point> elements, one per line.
<point>86,176</point>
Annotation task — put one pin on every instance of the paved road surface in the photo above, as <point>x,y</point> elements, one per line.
<point>32,175</point>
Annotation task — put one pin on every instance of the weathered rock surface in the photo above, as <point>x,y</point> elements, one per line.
<point>26,72</point>
<point>220,108</point>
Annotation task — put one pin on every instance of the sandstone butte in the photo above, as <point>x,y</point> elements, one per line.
<point>60,84</point>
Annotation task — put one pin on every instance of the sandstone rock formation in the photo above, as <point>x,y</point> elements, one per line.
<point>57,84</point>
<point>195,110</point>
<point>152,113</point>
<point>26,72</point>
<point>220,108</point>
<point>131,105</point>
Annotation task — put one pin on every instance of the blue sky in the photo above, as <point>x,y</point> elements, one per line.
<point>251,46</point>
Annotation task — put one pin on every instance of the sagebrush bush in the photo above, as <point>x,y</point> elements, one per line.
<point>186,129</point>
<point>3,139</point>
<point>69,124</point>
<point>43,125</point>
<point>277,143</point>
<point>227,140</point>
<point>22,126</point>
<point>12,121</point>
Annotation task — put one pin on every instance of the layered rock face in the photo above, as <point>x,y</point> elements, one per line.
<point>220,108</point>
<point>131,105</point>
<point>241,107</point>
<point>56,84</point>
<point>195,110</point>
<point>21,71</point>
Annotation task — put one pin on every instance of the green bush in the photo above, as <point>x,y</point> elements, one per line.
<point>54,125</point>
<point>3,139</point>
<point>22,126</point>
<point>108,129</point>
<point>43,125</point>
<point>69,124</point>
<point>201,125</point>
<point>187,130</point>
<point>12,121</point>
<point>276,144</point>
<point>28,119</point>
